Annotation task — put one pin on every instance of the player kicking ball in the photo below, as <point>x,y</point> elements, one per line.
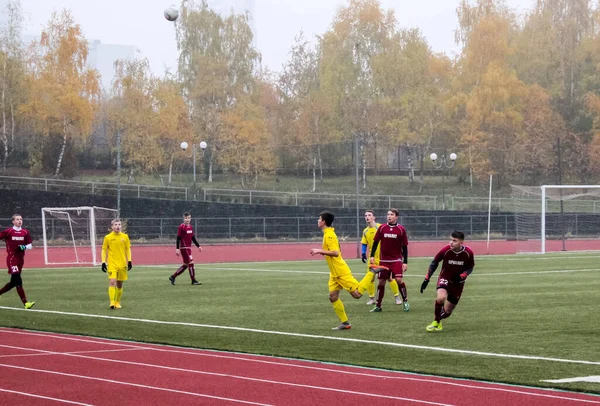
<point>458,262</point>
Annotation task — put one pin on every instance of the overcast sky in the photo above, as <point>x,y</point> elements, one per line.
<point>140,23</point>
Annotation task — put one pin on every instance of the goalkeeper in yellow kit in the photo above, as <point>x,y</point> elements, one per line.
<point>116,252</point>
<point>367,242</point>
<point>340,275</point>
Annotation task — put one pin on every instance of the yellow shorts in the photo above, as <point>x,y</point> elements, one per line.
<point>343,282</point>
<point>119,274</point>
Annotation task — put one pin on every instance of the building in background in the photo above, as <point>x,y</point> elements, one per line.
<point>101,57</point>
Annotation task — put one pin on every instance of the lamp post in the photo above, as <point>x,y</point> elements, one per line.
<point>184,147</point>
<point>443,163</point>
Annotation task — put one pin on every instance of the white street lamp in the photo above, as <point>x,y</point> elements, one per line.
<point>184,146</point>
<point>443,163</point>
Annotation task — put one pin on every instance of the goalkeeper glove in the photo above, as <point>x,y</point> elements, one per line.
<point>424,285</point>
<point>129,266</point>
<point>22,247</point>
<point>364,258</point>
<point>104,267</point>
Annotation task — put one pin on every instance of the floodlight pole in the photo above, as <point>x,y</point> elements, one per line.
<point>561,222</point>
<point>357,193</point>
<point>543,219</point>
<point>118,174</point>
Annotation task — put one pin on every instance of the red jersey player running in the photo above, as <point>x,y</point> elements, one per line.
<point>185,238</point>
<point>458,262</point>
<point>393,255</point>
<point>17,241</point>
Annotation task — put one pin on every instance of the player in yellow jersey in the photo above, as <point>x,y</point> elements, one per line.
<point>116,251</point>
<point>340,275</point>
<point>367,242</point>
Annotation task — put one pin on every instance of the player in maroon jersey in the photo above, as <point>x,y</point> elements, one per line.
<point>17,241</point>
<point>185,238</point>
<point>393,254</point>
<point>458,262</point>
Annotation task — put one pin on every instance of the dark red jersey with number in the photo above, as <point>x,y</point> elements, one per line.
<point>455,263</point>
<point>13,238</point>
<point>186,232</point>
<point>391,240</point>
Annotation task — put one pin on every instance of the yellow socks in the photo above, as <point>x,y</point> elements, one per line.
<point>338,307</point>
<point>111,294</point>
<point>394,287</point>
<point>118,294</point>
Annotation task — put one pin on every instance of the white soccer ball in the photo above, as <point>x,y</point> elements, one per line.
<point>171,14</point>
<point>184,145</point>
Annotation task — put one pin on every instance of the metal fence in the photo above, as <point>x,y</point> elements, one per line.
<point>293,198</point>
<point>93,188</point>
<point>157,230</point>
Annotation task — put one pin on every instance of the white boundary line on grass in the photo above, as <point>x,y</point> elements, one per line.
<point>293,363</point>
<point>205,267</point>
<point>311,336</point>
<point>70,402</point>
<point>406,275</point>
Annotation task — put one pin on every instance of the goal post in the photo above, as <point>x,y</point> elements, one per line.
<point>552,218</point>
<point>71,234</point>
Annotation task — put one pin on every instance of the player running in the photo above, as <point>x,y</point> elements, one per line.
<point>394,255</point>
<point>185,238</point>
<point>340,275</point>
<point>458,262</point>
<point>367,242</point>
<point>18,240</point>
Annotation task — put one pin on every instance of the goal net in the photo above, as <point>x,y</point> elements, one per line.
<point>552,218</point>
<point>73,235</point>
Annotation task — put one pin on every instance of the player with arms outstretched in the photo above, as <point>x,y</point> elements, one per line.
<point>185,238</point>
<point>394,255</point>
<point>116,251</point>
<point>458,262</point>
<point>340,275</point>
<point>18,240</point>
<point>367,242</point>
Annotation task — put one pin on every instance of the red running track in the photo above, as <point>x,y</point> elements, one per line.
<point>162,255</point>
<point>39,368</point>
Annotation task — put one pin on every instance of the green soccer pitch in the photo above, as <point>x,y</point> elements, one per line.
<point>521,319</point>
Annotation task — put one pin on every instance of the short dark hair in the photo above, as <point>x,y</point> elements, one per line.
<point>327,217</point>
<point>186,214</point>
<point>15,215</point>
<point>370,211</point>
<point>395,211</point>
<point>458,234</point>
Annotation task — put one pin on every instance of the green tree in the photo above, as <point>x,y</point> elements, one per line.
<point>360,32</point>
<point>216,67</point>
<point>172,119</point>
<point>12,65</point>
<point>246,150</point>
<point>62,91</point>
<point>132,114</point>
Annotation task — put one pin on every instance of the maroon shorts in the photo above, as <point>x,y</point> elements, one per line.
<point>395,270</point>
<point>186,255</point>
<point>454,289</point>
<point>14,264</point>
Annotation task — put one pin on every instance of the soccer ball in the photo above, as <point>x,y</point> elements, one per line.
<point>171,14</point>
<point>184,145</point>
